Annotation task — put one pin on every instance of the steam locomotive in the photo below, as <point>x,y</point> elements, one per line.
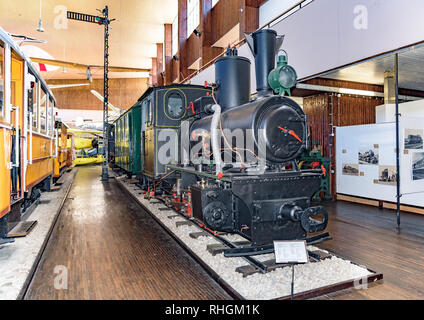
<point>222,158</point>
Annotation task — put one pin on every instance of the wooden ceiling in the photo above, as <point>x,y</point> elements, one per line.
<point>133,36</point>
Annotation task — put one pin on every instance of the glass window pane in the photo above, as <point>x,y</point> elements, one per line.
<point>50,116</point>
<point>175,36</point>
<point>35,90</point>
<point>43,111</point>
<point>193,16</point>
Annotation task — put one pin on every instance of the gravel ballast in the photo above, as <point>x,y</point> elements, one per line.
<point>272,285</point>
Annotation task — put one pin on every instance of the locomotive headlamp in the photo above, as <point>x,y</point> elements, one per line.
<point>283,77</point>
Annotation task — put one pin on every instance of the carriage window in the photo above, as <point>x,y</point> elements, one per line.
<point>43,111</point>
<point>34,97</point>
<point>32,101</point>
<point>1,79</point>
<point>50,116</point>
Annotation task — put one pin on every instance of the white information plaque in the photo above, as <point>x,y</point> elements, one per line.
<point>291,252</point>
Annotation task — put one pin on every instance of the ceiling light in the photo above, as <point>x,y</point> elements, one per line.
<point>40,22</point>
<point>197,33</point>
<point>40,26</point>
<point>89,75</point>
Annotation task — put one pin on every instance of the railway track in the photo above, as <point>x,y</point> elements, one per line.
<point>241,248</point>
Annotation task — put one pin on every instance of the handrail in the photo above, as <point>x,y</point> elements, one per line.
<point>242,41</point>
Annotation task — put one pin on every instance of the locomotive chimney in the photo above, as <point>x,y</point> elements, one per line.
<point>232,77</point>
<point>264,45</point>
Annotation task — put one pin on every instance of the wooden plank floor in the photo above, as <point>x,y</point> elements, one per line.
<point>368,236</point>
<point>112,249</point>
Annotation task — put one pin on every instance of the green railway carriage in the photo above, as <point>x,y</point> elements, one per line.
<point>127,140</point>
<point>158,112</point>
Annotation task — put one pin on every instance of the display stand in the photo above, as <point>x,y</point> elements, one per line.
<point>291,253</point>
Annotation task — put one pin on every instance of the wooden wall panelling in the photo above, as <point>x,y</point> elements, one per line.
<point>159,64</point>
<point>182,37</point>
<point>251,22</point>
<point>225,15</point>
<point>168,54</point>
<point>207,28</point>
<point>154,72</point>
<point>123,93</point>
<point>327,110</point>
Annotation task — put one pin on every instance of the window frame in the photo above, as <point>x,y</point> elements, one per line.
<point>191,15</point>
<point>175,36</point>
<point>182,99</point>
<point>41,130</point>
<point>51,116</point>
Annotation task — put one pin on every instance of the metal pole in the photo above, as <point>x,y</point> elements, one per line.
<point>105,172</point>
<point>398,195</point>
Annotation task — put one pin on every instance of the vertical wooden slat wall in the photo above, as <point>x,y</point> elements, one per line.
<point>327,110</point>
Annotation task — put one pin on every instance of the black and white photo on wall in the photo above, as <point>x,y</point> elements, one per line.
<point>387,175</point>
<point>368,156</point>
<point>414,139</point>
<point>418,166</point>
<point>350,169</point>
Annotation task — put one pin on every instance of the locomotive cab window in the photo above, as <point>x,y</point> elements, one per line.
<point>1,80</point>
<point>175,105</point>
<point>43,111</point>
<point>149,113</point>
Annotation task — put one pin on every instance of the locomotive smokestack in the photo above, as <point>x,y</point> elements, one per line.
<point>264,45</point>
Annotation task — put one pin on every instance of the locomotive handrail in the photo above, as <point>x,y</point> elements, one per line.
<point>242,41</point>
<point>30,137</point>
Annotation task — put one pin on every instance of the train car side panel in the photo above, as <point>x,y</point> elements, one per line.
<point>4,171</point>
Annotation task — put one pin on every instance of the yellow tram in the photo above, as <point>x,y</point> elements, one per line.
<point>61,142</point>
<point>27,133</point>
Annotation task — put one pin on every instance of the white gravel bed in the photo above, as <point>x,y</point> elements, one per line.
<point>272,285</point>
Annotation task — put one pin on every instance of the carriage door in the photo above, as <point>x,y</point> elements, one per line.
<point>17,117</point>
<point>144,107</point>
<point>5,133</point>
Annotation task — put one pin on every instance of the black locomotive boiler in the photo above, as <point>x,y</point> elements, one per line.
<point>247,183</point>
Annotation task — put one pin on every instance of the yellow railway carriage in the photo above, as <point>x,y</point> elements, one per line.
<point>61,147</point>
<point>27,133</point>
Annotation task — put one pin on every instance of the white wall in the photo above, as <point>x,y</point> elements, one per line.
<point>352,138</point>
<point>74,115</point>
<point>387,112</point>
<point>324,35</point>
<point>273,8</point>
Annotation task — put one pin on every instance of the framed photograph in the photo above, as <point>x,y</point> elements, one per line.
<point>414,139</point>
<point>368,156</point>
<point>418,166</point>
<point>387,175</point>
<point>350,169</point>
